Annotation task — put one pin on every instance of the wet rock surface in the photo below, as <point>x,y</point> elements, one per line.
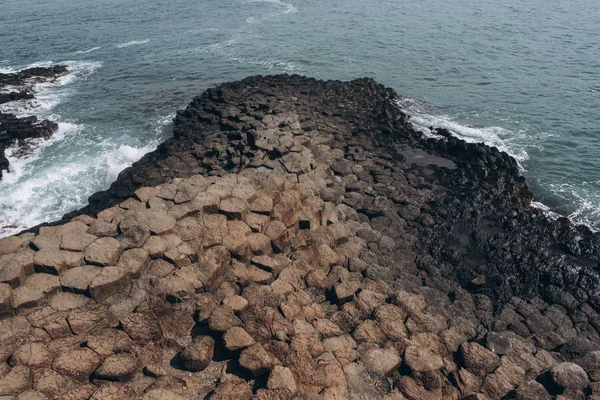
<point>290,242</point>
<point>16,131</point>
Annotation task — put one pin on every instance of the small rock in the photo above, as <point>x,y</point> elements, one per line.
<point>134,261</point>
<point>234,208</point>
<point>381,361</point>
<point>17,380</point>
<point>118,367</point>
<point>422,359</point>
<point>237,338</point>
<point>223,319</point>
<point>76,241</point>
<point>256,360</point>
<point>282,378</point>
<point>198,355</point>
<point>50,260</point>
<point>478,359</point>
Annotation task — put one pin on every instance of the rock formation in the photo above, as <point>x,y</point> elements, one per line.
<point>297,239</point>
<point>19,131</point>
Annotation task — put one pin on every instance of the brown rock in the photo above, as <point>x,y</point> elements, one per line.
<point>422,359</point>
<point>569,376</point>
<point>16,267</point>
<point>46,241</point>
<point>223,319</point>
<point>82,321</point>
<point>159,222</point>
<point>282,378</point>
<point>5,305</point>
<point>10,244</point>
<point>50,260</point>
<point>189,228</point>
<point>234,208</point>
<point>236,303</point>
<point>17,380</point>
<point>103,252</point>
<point>256,360</point>
<point>232,389</point>
<point>134,230</point>
<point>78,279</point>
<point>368,331</point>
<point>109,341</point>
<point>262,205</point>
<point>532,390</point>
<point>82,391</point>
<point>391,321</point>
<point>76,241</point>
<point>118,367</point>
<point>114,391</point>
<point>174,288</point>
<point>237,338</point>
<point>109,282</point>
<point>142,327</point>
<point>260,244</point>
<point>51,382</point>
<point>198,355</point>
<point>344,292</point>
<point>32,355</point>
<point>67,301</point>
<point>134,261</point>
<point>381,361</point>
<point>78,364</point>
<point>257,222</point>
<point>162,394</point>
<point>27,297</point>
<point>47,283</point>
<point>478,359</point>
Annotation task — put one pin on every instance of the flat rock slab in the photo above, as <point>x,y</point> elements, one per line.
<point>103,252</point>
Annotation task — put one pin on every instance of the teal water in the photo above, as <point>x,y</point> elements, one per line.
<point>524,76</point>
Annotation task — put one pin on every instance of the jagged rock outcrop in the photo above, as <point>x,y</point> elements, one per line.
<point>298,239</point>
<point>19,131</point>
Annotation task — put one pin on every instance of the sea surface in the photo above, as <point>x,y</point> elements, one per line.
<point>520,75</point>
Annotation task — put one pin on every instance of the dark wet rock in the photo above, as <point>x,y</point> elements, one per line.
<point>20,131</point>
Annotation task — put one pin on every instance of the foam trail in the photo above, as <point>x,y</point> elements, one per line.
<point>289,9</point>
<point>88,51</point>
<point>132,43</point>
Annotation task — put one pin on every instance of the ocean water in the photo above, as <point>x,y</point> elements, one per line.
<point>523,76</point>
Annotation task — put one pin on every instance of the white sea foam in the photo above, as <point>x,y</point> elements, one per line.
<point>133,43</point>
<point>286,8</point>
<point>89,50</point>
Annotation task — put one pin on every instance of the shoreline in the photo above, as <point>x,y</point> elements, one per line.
<point>299,238</point>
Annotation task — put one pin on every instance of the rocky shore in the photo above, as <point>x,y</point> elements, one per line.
<point>297,239</point>
<point>19,131</point>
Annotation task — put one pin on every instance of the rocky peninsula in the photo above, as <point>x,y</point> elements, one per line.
<point>20,131</point>
<point>298,239</point>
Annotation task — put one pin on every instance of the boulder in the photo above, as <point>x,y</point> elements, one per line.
<point>198,355</point>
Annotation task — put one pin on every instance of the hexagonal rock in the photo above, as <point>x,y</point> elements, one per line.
<point>344,292</point>
<point>108,282</point>
<point>198,355</point>
<point>237,338</point>
<point>422,359</point>
<point>142,327</point>
<point>234,208</point>
<point>222,319</point>
<point>162,394</point>
<point>32,355</point>
<point>114,391</point>
<point>256,360</point>
<point>27,297</point>
<point>78,279</point>
<point>260,244</point>
<point>118,367</point>
<point>159,222</point>
<point>78,364</point>
<point>16,267</point>
<point>76,241</point>
<point>109,341</point>
<point>569,376</point>
<point>174,288</point>
<point>17,380</point>
<point>104,252</point>
<point>282,378</point>
<point>66,301</point>
<point>232,389</point>
<point>32,395</point>
<point>46,241</point>
<point>478,359</point>
<point>381,361</point>
<point>50,260</point>
<point>236,303</point>
<point>82,321</point>
<point>189,228</point>
<point>135,261</point>
<point>134,230</point>
<point>47,283</point>
<point>10,244</point>
<point>262,205</point>
<point>5,306</point>
<point>51,382</point>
